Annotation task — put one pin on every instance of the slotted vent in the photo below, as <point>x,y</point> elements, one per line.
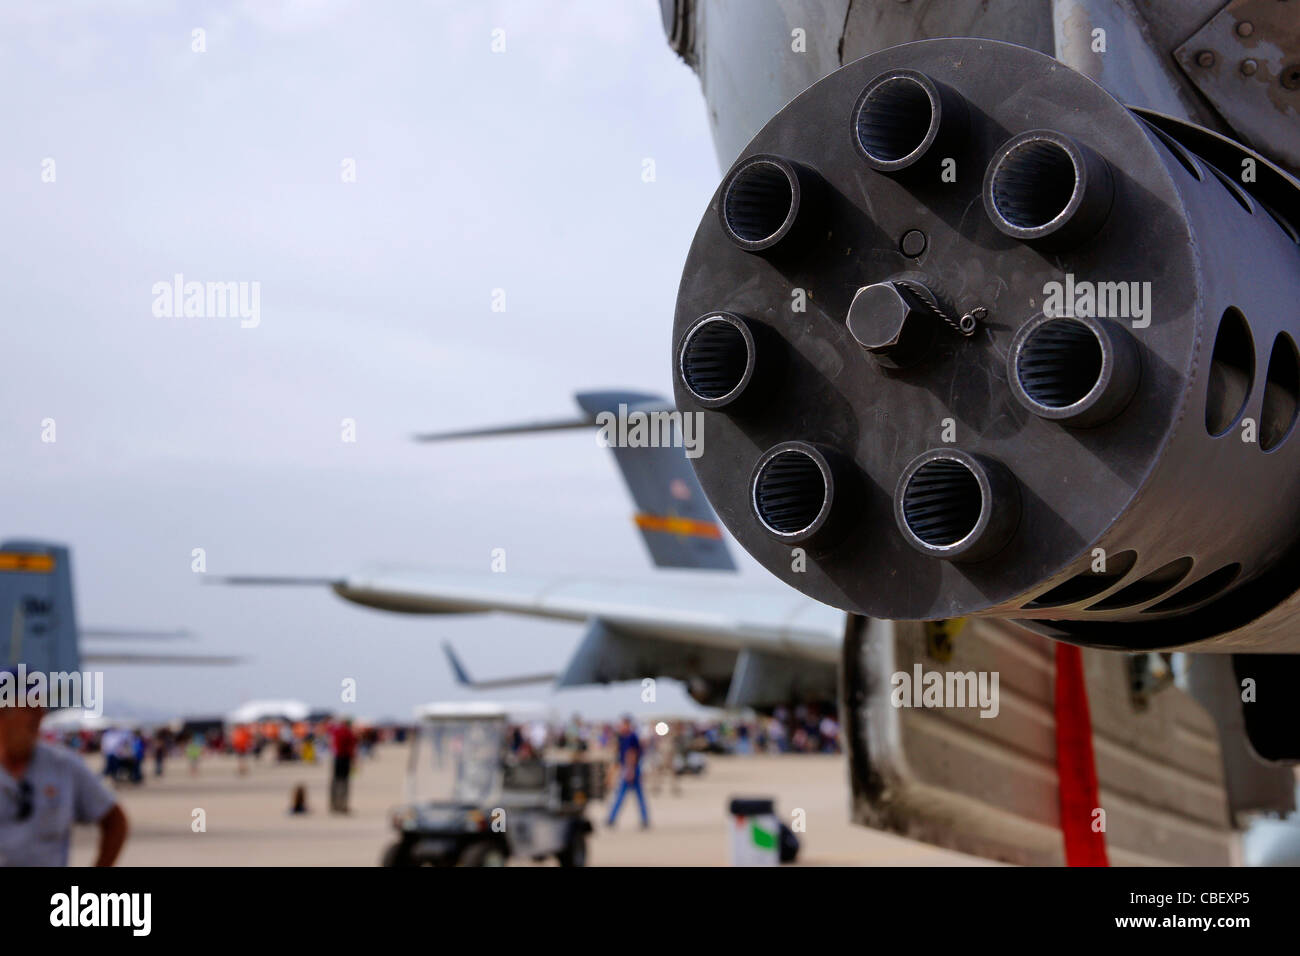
<point>1232,373</point>
<point>1281,394</point>
<point>1199,591</point>
<point>1148,588</point>
<point>1088,584</point>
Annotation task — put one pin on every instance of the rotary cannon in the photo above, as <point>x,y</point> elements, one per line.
<point>980,340</point>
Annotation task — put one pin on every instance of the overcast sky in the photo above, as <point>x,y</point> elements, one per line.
<point>475,171</point>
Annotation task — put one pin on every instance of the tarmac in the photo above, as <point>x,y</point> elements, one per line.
<point>246,820</point>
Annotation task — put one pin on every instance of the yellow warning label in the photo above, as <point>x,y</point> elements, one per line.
<point>939,637</point>
<point>23,561</point>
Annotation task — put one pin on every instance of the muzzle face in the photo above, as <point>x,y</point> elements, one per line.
<point>1020,322</point>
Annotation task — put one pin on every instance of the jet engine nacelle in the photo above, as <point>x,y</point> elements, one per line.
<point>980,340</point>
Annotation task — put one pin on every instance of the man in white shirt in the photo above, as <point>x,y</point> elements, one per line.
<point>44,790</point>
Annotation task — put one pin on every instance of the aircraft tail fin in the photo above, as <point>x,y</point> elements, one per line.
<point>464,680</point>
<point>37,615</point>
<point>38,618</point>
<point>675,519</point>
<point>457,668</point>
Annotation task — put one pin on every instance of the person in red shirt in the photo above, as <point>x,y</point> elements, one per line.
<point>344,744</point>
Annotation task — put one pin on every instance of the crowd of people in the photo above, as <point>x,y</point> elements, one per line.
<point>126,751</point>
<point>802,729</point>
<point>668,749</point>
<point>664,750</point>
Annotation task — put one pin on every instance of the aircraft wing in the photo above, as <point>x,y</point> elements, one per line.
<point>133,634</point>
<point>734,645</point>
<point>174,660</point>
<point>92,655</point>
<point>591,404</point>
<point>666,607</point>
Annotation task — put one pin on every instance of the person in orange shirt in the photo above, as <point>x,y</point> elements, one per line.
<point>241,739</point>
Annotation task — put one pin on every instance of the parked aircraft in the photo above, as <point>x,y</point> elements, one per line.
<point>731,645</point>
<point>36,598</point>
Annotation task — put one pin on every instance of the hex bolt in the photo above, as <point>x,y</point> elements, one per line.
<point>893,322</point>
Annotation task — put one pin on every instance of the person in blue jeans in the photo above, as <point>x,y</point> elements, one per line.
<point>629,765</point>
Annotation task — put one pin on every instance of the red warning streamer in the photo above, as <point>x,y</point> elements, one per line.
<point>1076,768</point>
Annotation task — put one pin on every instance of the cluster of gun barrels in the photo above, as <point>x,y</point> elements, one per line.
<point>1041,187</point>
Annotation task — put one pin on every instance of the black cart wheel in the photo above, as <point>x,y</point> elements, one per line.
<point>399,854</point>
<point>487,853</point>
<point>575,854</point>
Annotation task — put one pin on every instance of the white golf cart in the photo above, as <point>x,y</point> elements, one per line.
<point>471,801</point>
